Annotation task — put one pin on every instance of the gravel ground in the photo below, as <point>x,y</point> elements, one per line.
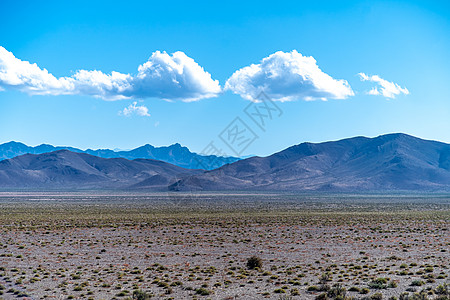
<point>55,250</point>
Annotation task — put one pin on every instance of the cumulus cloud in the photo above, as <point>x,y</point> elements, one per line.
<point>169,77</point>
<point>135,109</point>
<point>174,77</point>
<point>286,77</point>
<point>385,88</point>
<point>114,86</point>
<point>24,76</point>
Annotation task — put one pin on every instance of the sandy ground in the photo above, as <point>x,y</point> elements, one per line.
<point>99,251</point>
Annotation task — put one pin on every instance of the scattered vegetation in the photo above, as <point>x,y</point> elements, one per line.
<point>94,249</point>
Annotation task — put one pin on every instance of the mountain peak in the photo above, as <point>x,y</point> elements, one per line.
<point>14,143</point>
<point>146,146</point>
<point>396,136</point>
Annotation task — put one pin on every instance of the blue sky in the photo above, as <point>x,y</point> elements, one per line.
<point>405,43</point>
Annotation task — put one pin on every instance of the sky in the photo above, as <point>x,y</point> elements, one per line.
<point>250,78</point>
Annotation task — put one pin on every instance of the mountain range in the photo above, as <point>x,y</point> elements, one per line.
<point>174,154</point>
<point>392,162</point>
<point>385,163</point>
<point>64,169</point>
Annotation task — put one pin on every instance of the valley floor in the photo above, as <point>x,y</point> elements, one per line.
<point>170,246</point>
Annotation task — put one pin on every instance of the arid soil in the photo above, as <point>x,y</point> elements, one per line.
<point>333,247</point>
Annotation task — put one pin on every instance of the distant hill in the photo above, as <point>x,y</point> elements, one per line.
<point>385,163</point>
<point>174,154</point>
<point>64,169</point>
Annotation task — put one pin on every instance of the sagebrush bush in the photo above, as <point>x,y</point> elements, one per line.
<point>140,295</point>
<point>254,262</point>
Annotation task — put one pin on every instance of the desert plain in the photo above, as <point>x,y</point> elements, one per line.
<point>105,245</point>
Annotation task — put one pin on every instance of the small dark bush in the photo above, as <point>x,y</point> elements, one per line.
<point>442,290</point>
<point>337,291</point>
<point>203,291</point>
<point>254,262</point>
<point>378,283</point>
<point>417,283</point>
<point>140,295</point>
<point>326,277</point>
<point>364,291</point>
<point>376,296</point>
<point>322,297</point>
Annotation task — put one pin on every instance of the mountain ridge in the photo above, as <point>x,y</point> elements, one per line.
<point>175,154</point>
<point>387,162</point>
<point>64,169</point>
<point>392,162</point>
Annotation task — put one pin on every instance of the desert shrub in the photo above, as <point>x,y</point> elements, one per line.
<point>442,289</point>
<point>418,296</point>
<point>364,291</point>
<point>337,291</point>
<point>404,296</point>
<point>254,262</point>
<point>203,291</point>
<point>417,283</point>
<point>392,284</point>
<point>326,277</point>
<point>378,283</point>
<point>176,283</point>
<point>295,292</point>
<point>403,266</point>
<point>322,297</point>
<point>140,295</point>
<point>122,293</point>
<point>376,296</point>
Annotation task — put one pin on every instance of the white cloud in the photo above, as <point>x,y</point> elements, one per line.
<point>27,77</point>
<point>286,77</point>
<point>98,84</point>
<point>170,77</point>
<point>135,109</point>
<point>174,77</point>
<point>373,91</point>
<point>386,88</point>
